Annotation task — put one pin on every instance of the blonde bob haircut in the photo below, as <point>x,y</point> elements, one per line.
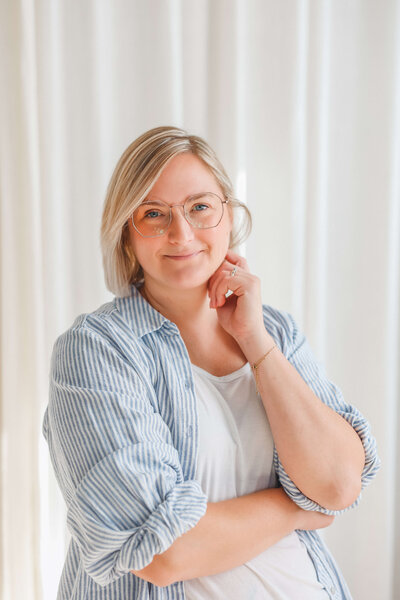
<point>135,174</point>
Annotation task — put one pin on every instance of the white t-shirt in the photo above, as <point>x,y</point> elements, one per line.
<point>235,458</point>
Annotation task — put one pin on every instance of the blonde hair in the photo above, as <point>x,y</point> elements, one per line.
<point>135,174</point>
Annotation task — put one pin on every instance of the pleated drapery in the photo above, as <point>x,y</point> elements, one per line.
<point>301,101</point>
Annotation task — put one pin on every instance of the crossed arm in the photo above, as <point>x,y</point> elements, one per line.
<point>318,449</point>
<point>128,448</point>
<point>236,530</point>
<point>229,534</point>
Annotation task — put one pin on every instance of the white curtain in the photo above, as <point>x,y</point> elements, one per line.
<point>301,100</point>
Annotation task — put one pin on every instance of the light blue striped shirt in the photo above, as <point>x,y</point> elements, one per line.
<point>122,430</point>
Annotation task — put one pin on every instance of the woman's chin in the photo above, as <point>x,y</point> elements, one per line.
<point>183,280</point>
<point>184,275</point>
<point>187,283</point>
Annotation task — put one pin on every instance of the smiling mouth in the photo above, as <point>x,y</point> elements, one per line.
<point>182,256</point>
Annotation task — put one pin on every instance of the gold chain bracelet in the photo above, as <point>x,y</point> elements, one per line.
<point>257,363</point>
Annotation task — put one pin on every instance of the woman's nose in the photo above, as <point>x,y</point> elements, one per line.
<point>180,229</point>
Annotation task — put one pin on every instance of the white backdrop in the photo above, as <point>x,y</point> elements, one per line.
<point>301,100</point>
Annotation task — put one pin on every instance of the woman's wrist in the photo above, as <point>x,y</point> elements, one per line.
<point>255,347</point>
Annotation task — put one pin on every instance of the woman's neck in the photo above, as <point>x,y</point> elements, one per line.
<point>188,309</point>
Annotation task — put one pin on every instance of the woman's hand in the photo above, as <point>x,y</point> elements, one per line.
<point>311,519</point>
<point>241,313</point>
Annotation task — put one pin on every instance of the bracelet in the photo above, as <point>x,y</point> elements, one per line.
<point>258,362</point>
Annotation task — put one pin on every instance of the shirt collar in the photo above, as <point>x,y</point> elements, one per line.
<point>141,316</point>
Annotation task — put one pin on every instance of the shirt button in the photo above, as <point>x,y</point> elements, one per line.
<point>188,385</point>
<point>189,431</point>
<point>333,589</point>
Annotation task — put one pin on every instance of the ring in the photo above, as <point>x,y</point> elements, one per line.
<point>228,293</point>
<point>233,272</point>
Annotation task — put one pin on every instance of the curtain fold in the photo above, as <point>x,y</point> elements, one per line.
<point>301,101</point>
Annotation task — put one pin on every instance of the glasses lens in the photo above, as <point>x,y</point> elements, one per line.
<point>204,211</point>
<point>151,218</point>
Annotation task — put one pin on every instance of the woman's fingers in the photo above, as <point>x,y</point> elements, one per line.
<point>223,280</point>
<point>219,283</point>
<point>237,259</point>
<point>241,315</point>
<point>213,289</point>
<point>226,281</point>
<point>215,276</point>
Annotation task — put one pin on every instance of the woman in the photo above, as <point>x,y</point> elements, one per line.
<point>197,442</point>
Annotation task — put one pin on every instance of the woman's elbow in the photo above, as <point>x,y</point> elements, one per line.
<point>344,495</point>
<point>351,493</point>
<point>156,572</point>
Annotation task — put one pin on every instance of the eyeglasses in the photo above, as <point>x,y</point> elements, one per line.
<point>203,211</point>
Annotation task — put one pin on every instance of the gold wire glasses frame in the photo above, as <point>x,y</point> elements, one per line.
<point>159,203</point>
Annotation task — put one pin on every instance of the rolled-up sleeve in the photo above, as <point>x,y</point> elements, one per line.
<point>114,459</point>
<point>298,352</point>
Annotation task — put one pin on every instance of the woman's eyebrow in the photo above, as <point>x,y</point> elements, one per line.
<point>155,200</point>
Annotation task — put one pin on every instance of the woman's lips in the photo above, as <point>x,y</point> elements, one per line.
<point>184,257</point>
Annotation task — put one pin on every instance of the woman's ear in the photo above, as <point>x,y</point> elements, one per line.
<point>229,210</point>
<point>230,213</point>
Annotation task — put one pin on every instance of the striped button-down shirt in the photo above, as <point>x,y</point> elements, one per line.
<point>122,430</point>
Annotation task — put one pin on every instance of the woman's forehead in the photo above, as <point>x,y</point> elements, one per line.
<point>184,175</point>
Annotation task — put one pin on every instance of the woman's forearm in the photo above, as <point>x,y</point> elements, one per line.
<point>319,450</point>
<point>235,531</point>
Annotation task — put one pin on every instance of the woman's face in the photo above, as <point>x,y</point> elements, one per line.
<point>202,250</point>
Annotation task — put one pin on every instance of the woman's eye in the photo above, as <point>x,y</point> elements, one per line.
<point>200,207</point>
<point>152,214</point>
